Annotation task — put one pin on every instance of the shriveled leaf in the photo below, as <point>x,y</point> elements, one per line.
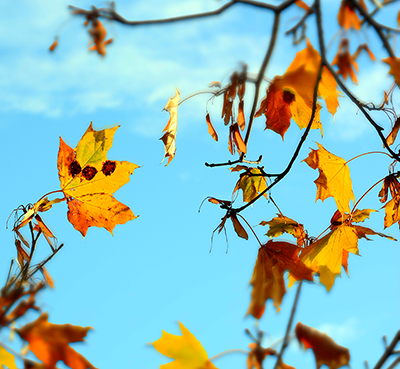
<point>235,140</point>
<point>302,4</point>
<point>345,61</point>
<point>334,177</point>
<point>347,16</point>
<point>98,34</point>
<point>325,349</point>
<point>22,255</point>
<point>47,277</point>
<point>6,359</point>
<point>88,181</point>
<point>282,224</point>
<point>54,44</point>
<point>274,258</point>
<point>186,350</point>
<point>50,342</point>
<point>257,355</point>
<point>393,133</point>
<point>392,212</point>
<point>240,119</point>
<point>251,182</point>
<point>211,129</point>
<point>394,67</point>
<point>170,129</point>
<point>240,231</point>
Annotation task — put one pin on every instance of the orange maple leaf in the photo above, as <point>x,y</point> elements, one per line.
<point>327,255</point>
<point>98,34</point>
<point>50,342</point>
<point>394,67</point>
<point>347,16</point>
<point>325,349</point>
<point>88,181</point>
<point>282,224</point>
<point>392,211</point>
<point>274,258</point>
<point>186,350</point>
<point>251,182</point>
<point>334,177</point>
<point>171,128</point>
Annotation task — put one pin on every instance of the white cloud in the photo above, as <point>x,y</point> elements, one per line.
<point>344,333</point>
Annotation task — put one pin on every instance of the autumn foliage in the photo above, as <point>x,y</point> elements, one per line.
<point>311,82</point>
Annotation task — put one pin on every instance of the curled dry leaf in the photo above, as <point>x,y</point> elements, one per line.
<point>251,182</point>
<point>391,138</point>
<point>186,350</point>
<point>257,355</point>
<point>239,229</point>
<point>347,16</point>
<point>211,129</point>
<point>334,177</point>
<point>282,224</point>
<point>88,181</point>
<point>50,342</point>
<point>392,212</point>
<point>274,258</point>
<point>235,140</point>
<point>98,34</point>
<point>325,349</point>
<point>171,128</point>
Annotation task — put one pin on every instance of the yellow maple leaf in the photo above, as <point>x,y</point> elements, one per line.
<point>6,359</point>
<point>170,129</point>
<point>282,224</point>
<point>88,181</point>
<point>334,177</point>
<point>186,350</point>
<point>251,182</point>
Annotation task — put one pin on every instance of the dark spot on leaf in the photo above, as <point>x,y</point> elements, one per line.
<point>89,172</point>
<point>108,167</point>
<point>288,97</point>
<point>74,168</point>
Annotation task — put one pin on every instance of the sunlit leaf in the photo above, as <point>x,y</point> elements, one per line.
<point>282,224</point>
<point>170,129</point>
<point>391,138</point>
<point>347,16</point>
<point>211,129</point>
<point>392,211</point>
<point>98,34</point>
<point>394,67</point>
<point>251,182</point>
<point>186,350</point>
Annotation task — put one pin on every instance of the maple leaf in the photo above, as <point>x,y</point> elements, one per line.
<point>392,212</point>
<point>327,255</point>
<point>394,67</point>
<point>325,349</point>
<point>347,16</point>
<point>50,342</point>
<point>186,350</point>
<point>98,34</point>
<point>282,224</point>
<point>334,177</point>
<point>170,129</point>
<point>267,279</point>
<point>6,359</point>
<point>251,182</point>
<point>88,181</point>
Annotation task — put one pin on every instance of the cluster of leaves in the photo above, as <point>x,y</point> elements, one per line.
<point>89,179</point>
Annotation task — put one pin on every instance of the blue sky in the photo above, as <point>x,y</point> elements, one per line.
<point>157,269</point>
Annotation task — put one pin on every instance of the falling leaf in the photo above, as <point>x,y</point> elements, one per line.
<point>170,129</point>
<point>394,67</point>
<point>393,133</point>
<point>186,350</point>
<point>392,212</point>
<point>211,129</point>
<point>98,34</point>
<point>334,177</point>
<point>251,182</point>
<point>50,342</point>
<point>54,44</point>
<point>6,359</point>
<point>347,16</point>
<point>88,181</point>
<point>326,350</point>
<point>326,255</point>
<point>282,224</point>
<point>267,280</point>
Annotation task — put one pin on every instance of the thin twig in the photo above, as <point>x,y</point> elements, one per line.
<point>389,351</point>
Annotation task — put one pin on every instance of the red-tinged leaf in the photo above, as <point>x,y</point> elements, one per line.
<point>274,258</point>
<point>282,224</point>
<point>50,342</point>
<point>391,138</point>
<point>325,349</point>
<point>240,231</point>
<point>211,129</point>
<point>171,128</point>
<point>240,119</point>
